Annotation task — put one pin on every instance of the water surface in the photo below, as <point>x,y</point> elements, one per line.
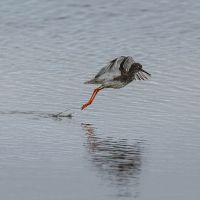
<point>139,142</point>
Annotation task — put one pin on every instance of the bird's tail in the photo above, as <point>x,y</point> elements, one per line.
<point>92,81</point>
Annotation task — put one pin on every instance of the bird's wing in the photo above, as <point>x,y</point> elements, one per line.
<point>115,66</point>
<point>125,63</point>
<point>140,76</point>
<point>107,68</point>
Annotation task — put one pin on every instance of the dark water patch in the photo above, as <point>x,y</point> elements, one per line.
<point>74,5</point>
<point>61,17</point>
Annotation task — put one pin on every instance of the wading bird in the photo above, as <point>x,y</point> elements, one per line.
<point>117,74</point>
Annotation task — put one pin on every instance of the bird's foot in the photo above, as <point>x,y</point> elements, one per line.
<point>84,106</point>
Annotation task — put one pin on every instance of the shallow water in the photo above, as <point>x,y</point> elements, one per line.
<point>139,142</point>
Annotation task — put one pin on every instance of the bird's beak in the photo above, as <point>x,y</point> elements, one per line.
<point>145,72</point>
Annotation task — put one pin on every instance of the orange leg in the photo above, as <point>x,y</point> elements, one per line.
<point>91,98</point>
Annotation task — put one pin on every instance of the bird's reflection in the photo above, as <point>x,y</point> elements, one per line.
<point>115,160</point>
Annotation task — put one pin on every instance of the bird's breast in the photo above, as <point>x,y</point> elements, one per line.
<point>115,84</point>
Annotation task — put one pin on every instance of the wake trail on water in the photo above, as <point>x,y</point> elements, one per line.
<point>68,113</point>
<point>62,114</point>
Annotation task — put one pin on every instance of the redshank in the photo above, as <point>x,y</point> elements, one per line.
<point>117,74</point>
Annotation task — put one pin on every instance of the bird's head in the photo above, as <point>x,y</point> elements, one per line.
<point>137,67</point>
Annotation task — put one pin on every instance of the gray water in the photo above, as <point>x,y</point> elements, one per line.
<point>139,142</point>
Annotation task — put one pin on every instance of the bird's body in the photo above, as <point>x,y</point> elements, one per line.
<point>117,74</point>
